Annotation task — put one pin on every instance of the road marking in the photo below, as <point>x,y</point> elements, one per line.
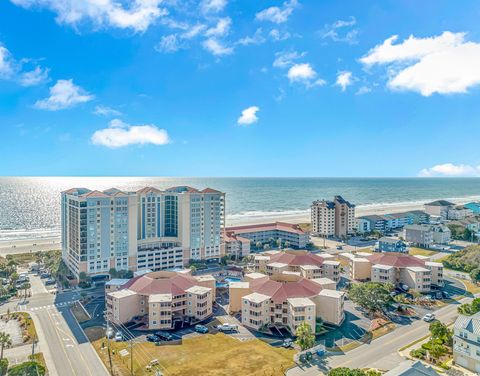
<point>63,349</point>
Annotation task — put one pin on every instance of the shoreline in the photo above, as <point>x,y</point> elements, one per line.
<point>24,245</point>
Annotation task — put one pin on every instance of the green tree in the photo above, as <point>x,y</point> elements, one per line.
<point>305,336</point>
<point>436,350</point>
<point>441,333</point>
<point>82,276</point>
<point>113,273</point>
<point>5,341</point>
<point>258,245</point>
<point>25,287</point>
<point>372,296</point>
<point>475,275</point>
<point>13,278</point>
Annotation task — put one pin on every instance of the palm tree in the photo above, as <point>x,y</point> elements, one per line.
<point>26,286</point>
<point>5,341</point>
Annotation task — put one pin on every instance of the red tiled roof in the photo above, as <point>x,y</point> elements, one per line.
<point>297,259</point>
<point>95,194</point>
<point>210,190</point>
<point>175,285</point>
<point>289,227</point>
<point>399,260</point>
<point>148,190</point>
<point>280,292</point>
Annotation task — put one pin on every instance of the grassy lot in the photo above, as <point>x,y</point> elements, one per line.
<point>20,258</point>
<point>421,252</point>
<point>212,355</point>
<point>79,312</point>
<point>471,287</point>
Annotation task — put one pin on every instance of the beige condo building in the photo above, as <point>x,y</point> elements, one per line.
<point>286,300</point>
<point>399,269</point>
<point>301,263</point>
<point>162,298</point>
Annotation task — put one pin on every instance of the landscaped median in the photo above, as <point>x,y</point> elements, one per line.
<point>207,354</point>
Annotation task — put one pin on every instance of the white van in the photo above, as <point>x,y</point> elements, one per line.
<point>227,327</point>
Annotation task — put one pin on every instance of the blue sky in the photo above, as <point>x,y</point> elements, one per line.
<point>239,88</point>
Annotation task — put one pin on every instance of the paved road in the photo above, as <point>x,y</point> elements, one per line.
<point>66,349</point>
<point>381,353</point>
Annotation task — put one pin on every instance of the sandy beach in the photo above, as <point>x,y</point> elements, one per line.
<point>300,216</point>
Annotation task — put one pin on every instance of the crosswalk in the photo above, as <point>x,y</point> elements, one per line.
<point>56,305</point>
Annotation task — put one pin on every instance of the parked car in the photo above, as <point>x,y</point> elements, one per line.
<point>445,294</point>
<point>165,336</point>
<point>45,275</point>
<point>50,281</point>
<point>429,317</point>
<point>339,247</point>
<point>287,343</point>
<point>119,336</point>
<point>227,327</point>
<point>201,329</point>
<point>153,338</point>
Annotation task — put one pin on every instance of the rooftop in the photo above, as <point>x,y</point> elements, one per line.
<point>300,302</point>
<point>469,323</point>
<point>239,285</point>
<point>198,290</point>
<point>256,297</point>
<point>331,293</point>
<point>122,293</point>
<point>116,282</point>
<point>399,260</point>
<point>412,368</point>
<point>280,226</point>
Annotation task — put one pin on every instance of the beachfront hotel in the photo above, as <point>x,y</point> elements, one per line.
<point>286,300</point>
<point>333,218</point>
<point>149,229</point>
<point>162,298</point>
<point>399,269</point>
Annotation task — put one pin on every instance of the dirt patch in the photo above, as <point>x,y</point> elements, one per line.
<point>94,333</point>
<point>80,313</point>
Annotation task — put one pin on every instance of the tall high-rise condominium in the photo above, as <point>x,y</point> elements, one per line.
<point>147,229</point>
<point>333,218</point>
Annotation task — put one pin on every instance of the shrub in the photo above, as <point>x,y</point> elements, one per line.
<point>3,366</point>
<point>27,369</point>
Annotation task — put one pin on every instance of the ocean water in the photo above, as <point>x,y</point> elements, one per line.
<point>30,207</point>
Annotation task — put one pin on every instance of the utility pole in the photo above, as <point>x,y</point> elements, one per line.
<point>108,345</point>
<point>131,356</point>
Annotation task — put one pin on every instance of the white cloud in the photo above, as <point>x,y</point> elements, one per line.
<point>450,169</point>
<point>64,94</point>
<point>363,90</point>
<point>106,111</point>
<point>7,63</point>
<point>336,31</point>
<point>305,74</point>
<point>168,43</point>
<point>285,59</point>
<point>443,64</point>
<point>34,77</point>
<point>344,79</point>
<point>193,31</point>
<point>212,6</point>
<point>11,69</point>
<point>138,15</point>
<point>249,116</point>
<point>220,29</point>
<point>119,134</point>
<point>256,38</point>
<point>277,14</point>
<point>278,35</point>
<point>216,48</point>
